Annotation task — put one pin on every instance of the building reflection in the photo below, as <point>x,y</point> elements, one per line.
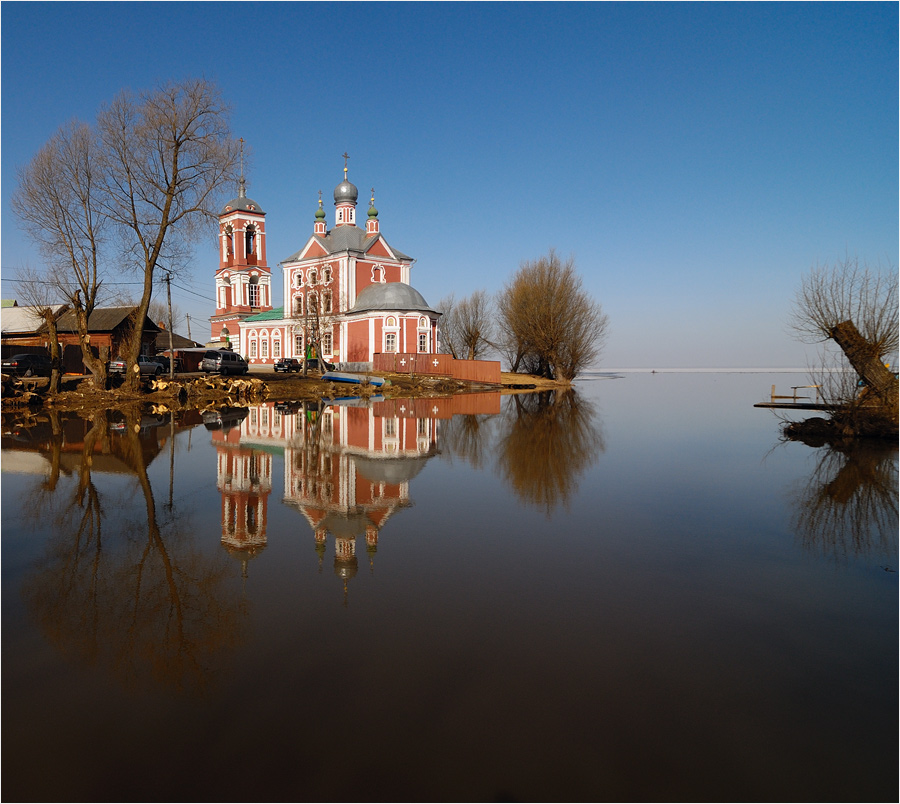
<point>347,469</point>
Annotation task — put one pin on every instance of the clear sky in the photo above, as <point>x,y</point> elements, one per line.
<point>695,159</point>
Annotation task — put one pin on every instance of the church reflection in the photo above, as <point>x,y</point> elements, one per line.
<point>347,469</point>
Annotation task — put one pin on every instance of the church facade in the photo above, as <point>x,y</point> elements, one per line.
<point>347,292</point>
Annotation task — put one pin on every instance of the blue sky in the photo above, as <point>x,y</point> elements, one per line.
<point>695,159</point>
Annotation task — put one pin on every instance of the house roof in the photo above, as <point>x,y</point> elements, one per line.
<point>8,303</point>
<point>178,341</point>
<point>103,319</point>
<point>276,314</point>
<point>346,238</point>
<point>23,319</point>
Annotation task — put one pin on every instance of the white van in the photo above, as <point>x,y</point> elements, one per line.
<point>221,361</point>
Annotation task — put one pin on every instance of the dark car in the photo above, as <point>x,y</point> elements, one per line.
<point>163,360</point>
<point>27,365</point>
<point>288,364</point>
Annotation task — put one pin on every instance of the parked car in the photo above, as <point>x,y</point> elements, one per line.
<point>163,360</point>
<point>148,365</point>
<point>27,365</point>
<point>221,361</point>
<point>288,364</point>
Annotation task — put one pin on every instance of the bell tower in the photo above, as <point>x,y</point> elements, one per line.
<point>243,278</point>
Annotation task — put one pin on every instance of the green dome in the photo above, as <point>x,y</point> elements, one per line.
<point>320,214</point>
<point>373,213</point>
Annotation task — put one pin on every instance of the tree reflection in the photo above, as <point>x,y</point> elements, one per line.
<point>848,507</point>
<point>468,436</point>
<point>142,601</point>
<point>547,441</point>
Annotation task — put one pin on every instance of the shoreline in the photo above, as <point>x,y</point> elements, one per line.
<point>205,391</point>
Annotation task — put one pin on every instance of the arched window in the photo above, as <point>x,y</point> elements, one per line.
<point>253,290</point>
<point>229,241</point>
<point>326,274</point>
<point>298,279</point>
<point>250,239</point>
<point>276,346</point>
<point>313,276</point>
<point>312,303</point>
<point>391,321</point>
<point>326,301</point>
<point>298,304</point>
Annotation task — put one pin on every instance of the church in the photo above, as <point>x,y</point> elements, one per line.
<point>347,292</point>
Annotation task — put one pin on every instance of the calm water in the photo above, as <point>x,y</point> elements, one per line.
<point>635,594</point>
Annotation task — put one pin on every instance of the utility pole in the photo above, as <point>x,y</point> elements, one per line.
<point>188,317</point>
<point>171,344</point>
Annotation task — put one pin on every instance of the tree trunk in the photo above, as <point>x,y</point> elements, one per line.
<point>867,363</point>
<point>55,362</point>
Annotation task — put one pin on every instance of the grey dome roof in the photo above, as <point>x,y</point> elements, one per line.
<point>345,191</point>
<point>390,296</point>
<point>242,204</point>
<point>390,470</point>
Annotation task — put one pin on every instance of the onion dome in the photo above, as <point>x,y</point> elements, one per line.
<point>345,193</point>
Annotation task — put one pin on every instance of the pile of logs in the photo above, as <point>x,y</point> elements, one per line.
<point>244,389</point>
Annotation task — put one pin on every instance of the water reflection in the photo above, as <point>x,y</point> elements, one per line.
<point>848,507</point>
<point>120,587</point>
<point>347,469</point>
<point>547,442</point>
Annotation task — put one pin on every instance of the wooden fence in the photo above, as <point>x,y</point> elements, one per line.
<point>481,371</point>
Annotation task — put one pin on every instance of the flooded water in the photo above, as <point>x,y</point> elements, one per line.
<point>633,593</point>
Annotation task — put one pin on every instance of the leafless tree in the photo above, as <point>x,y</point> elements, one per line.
<point>448,338</point>
<point>316,315</point>
<point>149,172</point>
<point>58,204</point>
<point>856,308</point>
<point>165,154</point>
<point>39,290</point>
<point>548,324</point>
<point>467,326</point>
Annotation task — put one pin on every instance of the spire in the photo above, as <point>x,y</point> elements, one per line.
<point>320,228</point>
<point>372,219</point>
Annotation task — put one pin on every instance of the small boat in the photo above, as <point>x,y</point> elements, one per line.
<point>357,379</point>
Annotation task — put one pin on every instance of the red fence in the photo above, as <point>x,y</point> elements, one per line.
<point>483,371</point>
<point>438,407</point>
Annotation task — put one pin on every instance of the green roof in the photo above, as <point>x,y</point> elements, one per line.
<point>9,303</point>
<point>269,315</point>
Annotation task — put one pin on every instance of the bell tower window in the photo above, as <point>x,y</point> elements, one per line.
<point>250,239</point>
<point>253,292</point>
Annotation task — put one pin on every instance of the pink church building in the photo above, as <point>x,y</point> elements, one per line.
<point>346,291</point>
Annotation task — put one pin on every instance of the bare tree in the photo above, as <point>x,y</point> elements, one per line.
<point>40,291</point>
<point>467,326</point>
<point>58,204</point>
<point>449,339</point>
<point>165,155</point>
<point>315,313</point>
<point>548,324</point>
<point>856,308</point>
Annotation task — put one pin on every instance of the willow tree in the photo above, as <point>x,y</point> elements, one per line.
<point>856,308</point>
<point>548,324</point>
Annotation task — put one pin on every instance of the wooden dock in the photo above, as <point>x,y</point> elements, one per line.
<point>793,401</point>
